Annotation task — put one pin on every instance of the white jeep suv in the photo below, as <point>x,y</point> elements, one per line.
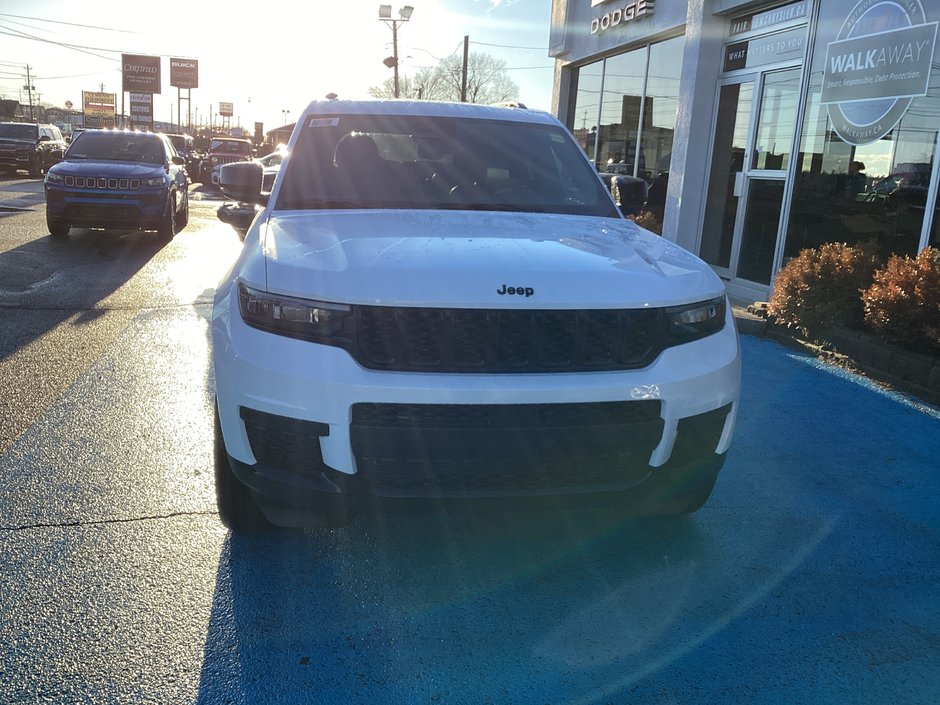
<point>443,301</point>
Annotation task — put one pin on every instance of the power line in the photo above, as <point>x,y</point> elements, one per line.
<point>510,46</point>
<point>70,24</point>
<point>75,47</point>
<point>74,75</point>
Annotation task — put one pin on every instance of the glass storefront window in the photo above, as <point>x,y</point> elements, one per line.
<point>620,112</point>
<point>662,104</point>
<point>659,120</point>
<point>633,122</point>
<point>866,156</point>
<point>587,106</point>
<point>855,193</point>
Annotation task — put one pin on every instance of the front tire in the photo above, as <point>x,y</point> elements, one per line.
<point>35,167</point>
<point>167,227</point>
<point>237,507</point>
<point>58,228</point>
<point>184,215</point>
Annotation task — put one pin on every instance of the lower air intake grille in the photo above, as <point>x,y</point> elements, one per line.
<point>441,449</point>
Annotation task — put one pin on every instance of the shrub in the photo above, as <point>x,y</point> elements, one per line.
<point>903,302</point>
<point>821,287</point>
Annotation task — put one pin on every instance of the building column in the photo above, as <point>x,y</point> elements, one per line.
<point>692,141</point>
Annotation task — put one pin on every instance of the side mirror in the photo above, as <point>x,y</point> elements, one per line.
<point>242,181</point>
<point>179,161</point>
<point>630,193</point>
<point>45,138</point>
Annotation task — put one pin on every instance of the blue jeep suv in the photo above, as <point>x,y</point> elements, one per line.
<point>118,179</point>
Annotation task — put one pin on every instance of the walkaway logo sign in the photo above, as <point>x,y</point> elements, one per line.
<point>878,64</point>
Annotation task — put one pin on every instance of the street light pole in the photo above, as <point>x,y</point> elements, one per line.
<point>385,14</point>
<point>394,53</point>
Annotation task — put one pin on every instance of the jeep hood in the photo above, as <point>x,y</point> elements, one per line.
<point>107,167</point>
<point>465,259</point>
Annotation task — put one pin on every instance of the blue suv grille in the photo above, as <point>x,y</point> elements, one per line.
<point>102,182</point>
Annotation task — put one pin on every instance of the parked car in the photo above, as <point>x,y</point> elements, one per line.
<point>29,146</point>
<point>442,301</point>
<point>185,147</point>
<point>223,150</point>
<point>118,179</point>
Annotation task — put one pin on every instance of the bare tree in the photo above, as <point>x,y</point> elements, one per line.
<point>487,81</point>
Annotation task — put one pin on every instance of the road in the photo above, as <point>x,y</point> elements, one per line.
<point>812,575</point>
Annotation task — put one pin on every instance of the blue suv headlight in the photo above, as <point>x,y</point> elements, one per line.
<point>155,181</point>
<point>54,178</point>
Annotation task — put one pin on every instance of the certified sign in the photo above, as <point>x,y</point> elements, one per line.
<point>141,74</point>
<point>878,64</point>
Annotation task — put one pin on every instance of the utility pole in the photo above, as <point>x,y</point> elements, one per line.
<point>463,77</point>
<point>385,15</point>
<point>394,53</point>
<point>29,91</point>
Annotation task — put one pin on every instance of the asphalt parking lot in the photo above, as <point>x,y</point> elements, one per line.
<point>811,575</point>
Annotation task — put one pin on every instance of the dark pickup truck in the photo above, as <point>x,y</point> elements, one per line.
<point>29,146</point>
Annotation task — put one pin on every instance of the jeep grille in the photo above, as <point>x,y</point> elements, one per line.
<point>488,341</point>
<point>102,182</point>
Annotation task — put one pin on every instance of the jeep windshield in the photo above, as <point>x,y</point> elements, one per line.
<point>117,146</point>
<point>242,149</point>
<point>16,131</point>
<point>418,162</point>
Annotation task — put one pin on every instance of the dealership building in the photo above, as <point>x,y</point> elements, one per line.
<point>763,128</point>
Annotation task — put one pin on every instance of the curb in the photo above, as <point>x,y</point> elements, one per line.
<point>864,353</point>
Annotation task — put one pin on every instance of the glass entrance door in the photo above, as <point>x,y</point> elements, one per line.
<point>750,157</point>
<point>729,157</point>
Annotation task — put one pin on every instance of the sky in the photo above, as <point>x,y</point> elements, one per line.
<point>268,63</point>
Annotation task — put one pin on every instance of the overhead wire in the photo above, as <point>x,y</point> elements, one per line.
<point>11,32</point>
<point>70,24</point>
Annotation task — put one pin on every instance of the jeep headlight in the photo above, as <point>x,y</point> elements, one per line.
<point>54,178</point>
<point>155,181</point>
<point>693,321</point>
<point>303,319</point>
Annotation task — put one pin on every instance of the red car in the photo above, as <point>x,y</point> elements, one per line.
<point>223,150</point>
